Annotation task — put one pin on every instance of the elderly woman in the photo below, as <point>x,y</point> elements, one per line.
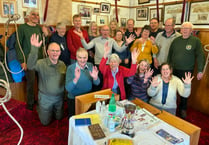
<point>140,81</point>
<point>145,45</point>
<point>164,87</point>
<point>113,74</point>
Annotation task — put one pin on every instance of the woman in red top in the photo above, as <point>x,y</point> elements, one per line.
<point>113,74</point>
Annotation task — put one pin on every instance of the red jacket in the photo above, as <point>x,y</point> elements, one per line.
<point>108,79</point>
<point>74,41</point>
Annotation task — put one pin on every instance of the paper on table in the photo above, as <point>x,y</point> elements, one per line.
<point>94,117</point>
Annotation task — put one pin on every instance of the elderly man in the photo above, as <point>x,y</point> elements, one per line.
<point>163,42</point>
<point>183,53</point>
<point>79,78</point>
<point>51,82</point>
<point>25,32</point>
<point>60,38</point>
<point>73,40</point>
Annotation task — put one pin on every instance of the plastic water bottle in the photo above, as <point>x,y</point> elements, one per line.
<point>98,106</point>
<point>112,107</point>
<point>111,124</point>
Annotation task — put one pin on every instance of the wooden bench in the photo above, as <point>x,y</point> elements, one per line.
<point>190,129</point>
<point>84,102</point>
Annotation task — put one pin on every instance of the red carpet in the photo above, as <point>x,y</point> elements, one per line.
<point>57,132</point>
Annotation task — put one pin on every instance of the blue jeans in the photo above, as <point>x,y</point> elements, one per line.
<point>49,105</point>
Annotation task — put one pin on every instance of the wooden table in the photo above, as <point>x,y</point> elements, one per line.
<point>190,129</point>
<point>84,102</point>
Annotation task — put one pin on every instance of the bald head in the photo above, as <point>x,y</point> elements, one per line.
<point>105,31</point>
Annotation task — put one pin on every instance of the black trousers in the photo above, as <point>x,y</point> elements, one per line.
<point>71,107</point>
<point>181,74</point>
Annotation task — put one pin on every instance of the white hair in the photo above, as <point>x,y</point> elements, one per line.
<point>187,23</point>
<point>114,57</point>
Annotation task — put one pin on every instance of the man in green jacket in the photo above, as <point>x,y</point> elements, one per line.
<point>25,32</point>
<point>183,53</point>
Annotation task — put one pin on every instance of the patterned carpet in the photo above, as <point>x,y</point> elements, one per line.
<point>57,132</point>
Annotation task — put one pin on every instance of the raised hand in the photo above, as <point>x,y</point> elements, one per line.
<point>94,73</point>
<point>77,74</point>
<point>106,49</point>
<point>155,82</point>
<point>148,74</point>
<point>34,40</point>
<point>134,54</point>
<point>188,78</point>
<point>79,33</point>
<point>129,39</point>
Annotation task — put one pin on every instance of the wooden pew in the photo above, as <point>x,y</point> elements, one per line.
<point>84,102</point>
<point>190,129</point>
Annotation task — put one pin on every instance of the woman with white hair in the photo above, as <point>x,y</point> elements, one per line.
<point>113,74</point>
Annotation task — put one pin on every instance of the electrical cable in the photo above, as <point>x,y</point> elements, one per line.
<point>6,98</point>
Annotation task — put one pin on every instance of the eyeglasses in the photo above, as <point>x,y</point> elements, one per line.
<point>55,51</point>
<point>168,25</point>
<point>186,28</point>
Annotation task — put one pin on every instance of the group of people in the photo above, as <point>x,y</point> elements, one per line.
<point>80,62</point>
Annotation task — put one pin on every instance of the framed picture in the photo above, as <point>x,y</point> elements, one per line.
<point>30,3</point>
<point>84,11</point>
<point>105,7</point>
<point>8,8</point>
<point>142,14</point>
<point>123,22</point>
<point>143,1</point>
<point>173,11</point>
<point>199,13</point>
<point>102,20</point>
<point>153,14</point>
<point>96,10</point>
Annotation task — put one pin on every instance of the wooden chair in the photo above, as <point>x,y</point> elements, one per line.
<point>84,102</point>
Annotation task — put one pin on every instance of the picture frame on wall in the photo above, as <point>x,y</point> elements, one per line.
<point>143,1</point>
<point>199,13</point>
<point>102,20</point>
<point>105,7</point>
<point>142,14</point>
<point>153,14</point>
<point>123,22</point>
<point>173,11</point>
<point>96,10</point>
<point>30,3</point>
<point>8,8</point>
<point>84,11</point>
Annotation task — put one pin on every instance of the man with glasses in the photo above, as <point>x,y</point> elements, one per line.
<point>183,53</point>
<point>25,32</point>
<point>80,77</point>
<point>163,42</point>
<point>51,74</point>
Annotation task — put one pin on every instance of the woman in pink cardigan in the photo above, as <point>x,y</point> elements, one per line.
<point>113,74</point>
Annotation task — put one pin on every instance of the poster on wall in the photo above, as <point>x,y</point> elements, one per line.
<point>173,11</point>
<point>153,14</point>
<point>199,13</point>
